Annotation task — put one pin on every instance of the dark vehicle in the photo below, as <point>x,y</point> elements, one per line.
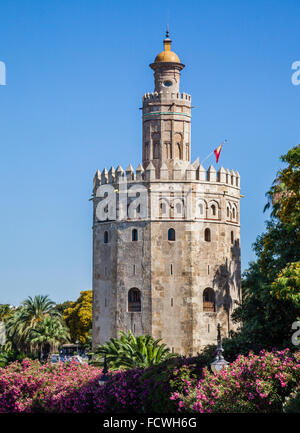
<point>70,351</point>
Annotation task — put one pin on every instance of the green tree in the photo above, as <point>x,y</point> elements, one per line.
<point>265,318</point>
<point>287,284</point>
<point>64,306</point>
<point>129,351</point>
<point>49,334</point>
<point>284,195</point>
<point>27,317</point>
<point>78,317</point>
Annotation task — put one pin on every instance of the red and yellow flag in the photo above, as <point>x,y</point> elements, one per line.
<point>217,151</point>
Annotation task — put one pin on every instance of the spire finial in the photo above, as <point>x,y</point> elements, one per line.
<point>167,31</point>
<point>167,40</point>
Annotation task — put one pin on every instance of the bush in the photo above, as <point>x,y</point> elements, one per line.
<point>28,386</point>
<point>160,381</point>
<point>254,383</point>
<point>257,383</point>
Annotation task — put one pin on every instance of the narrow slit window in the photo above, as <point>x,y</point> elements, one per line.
<point>134,235</point>
<point>105,237</point>
<point>171,235</point>
<point>207,235</point>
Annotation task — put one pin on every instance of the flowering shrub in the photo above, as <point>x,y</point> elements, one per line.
<point>29,386</point>
<point>123,392</point>
<point>68,387</point>
<point>160,381</point>
<point>256,383</point>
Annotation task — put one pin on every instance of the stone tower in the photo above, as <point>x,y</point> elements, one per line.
<point>166,236</point>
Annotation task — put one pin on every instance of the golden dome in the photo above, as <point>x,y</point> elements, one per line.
<point>167,55</point>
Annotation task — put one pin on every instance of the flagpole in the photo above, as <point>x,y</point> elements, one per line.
<point>208,156</point>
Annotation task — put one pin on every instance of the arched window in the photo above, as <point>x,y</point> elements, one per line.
<point>134,300</point>
<point>228,212</point>
<point>178,208</point>
<point>105,237</point>
<point>232,238</point>
<point>178,152</point>
<point>213,210</point>
<point>209,300</point>
<point>134,235</point>
<point>233,213</point>
<point>201,208</point>
<point>171,235</point>
<point>207,236</point>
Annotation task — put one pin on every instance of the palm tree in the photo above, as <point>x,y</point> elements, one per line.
<point>49,334</point>
<point>27,317</point>
<point>130,352</point>
<point>38,307</point>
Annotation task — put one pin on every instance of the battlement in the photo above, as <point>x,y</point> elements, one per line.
<point>155,96</point>
<point>193,172</point>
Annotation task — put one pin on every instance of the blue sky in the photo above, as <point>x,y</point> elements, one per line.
<point>76,73</point>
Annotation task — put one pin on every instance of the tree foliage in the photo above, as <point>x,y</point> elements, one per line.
<point>271,284</point>
<point>25,318</point>
<point>49,334</point>
<point>62,307</point>
<point>287,284</point>
<point>5,311</point>
<point>78,317</point>
<point>284,194</point>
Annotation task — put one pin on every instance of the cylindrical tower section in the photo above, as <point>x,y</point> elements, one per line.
<point>167,115</point>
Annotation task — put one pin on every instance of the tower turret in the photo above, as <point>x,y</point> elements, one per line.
<point>166,114</point>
